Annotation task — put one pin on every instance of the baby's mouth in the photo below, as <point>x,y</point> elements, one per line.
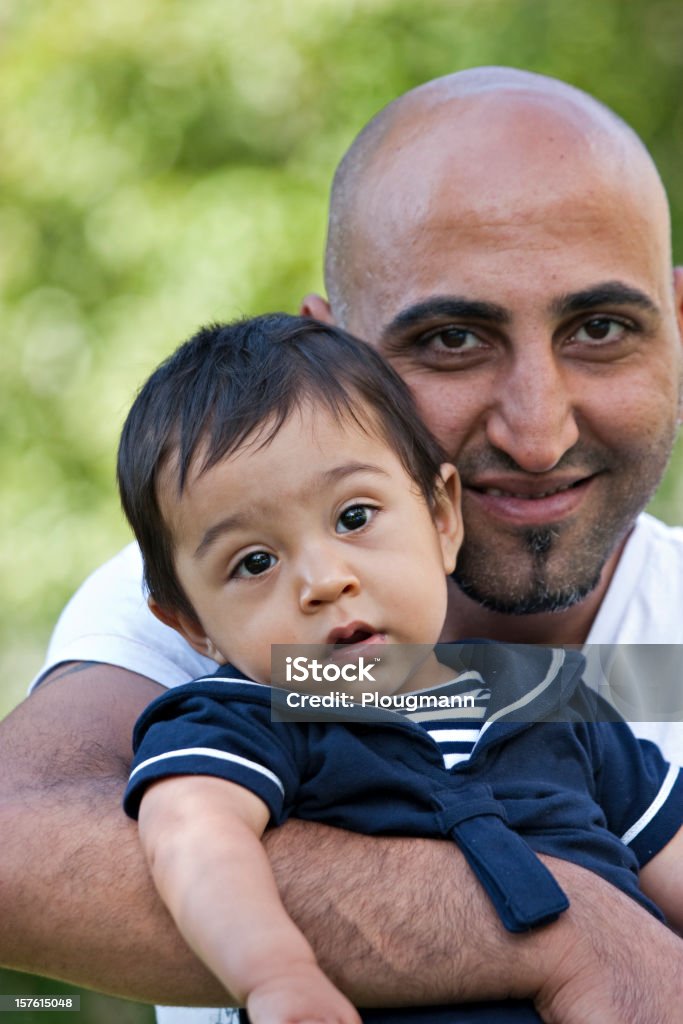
<point>353,638</point>
<point>352,633</point>
<point>357,637</point>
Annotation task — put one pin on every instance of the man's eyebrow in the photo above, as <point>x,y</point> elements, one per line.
<point>607,293</point>
<point>453,307</point>
<point>242,520</point>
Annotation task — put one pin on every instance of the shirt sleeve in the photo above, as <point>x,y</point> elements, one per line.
<point>107,620</point>
<point>641,794</point>
<point>218,729</point>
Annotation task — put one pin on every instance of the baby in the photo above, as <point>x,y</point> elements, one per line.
<point>284,492</point>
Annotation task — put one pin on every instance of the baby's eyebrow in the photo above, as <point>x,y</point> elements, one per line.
<point>240,520</point>
<point>330,476</point>
<point>233,522</point>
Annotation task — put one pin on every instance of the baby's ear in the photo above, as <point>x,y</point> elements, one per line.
<point>189,628</point>
<point>447,515</point>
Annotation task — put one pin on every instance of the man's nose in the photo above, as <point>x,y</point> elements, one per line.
<point>323,577</point>
<point>533,416</point>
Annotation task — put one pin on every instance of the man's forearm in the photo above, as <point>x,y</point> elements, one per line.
<point>83,908</point>
<point>405,917</point>
<point>76,899</point>
<point>76,903</point>
<point>395,921</point>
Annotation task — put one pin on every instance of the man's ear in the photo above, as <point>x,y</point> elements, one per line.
<point>447,515</point>
<point>189,628</point>
<point>317,307</point>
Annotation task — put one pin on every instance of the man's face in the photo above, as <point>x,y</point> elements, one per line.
<point>529,306</point>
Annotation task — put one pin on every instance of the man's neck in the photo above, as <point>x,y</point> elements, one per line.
<point>468,619</point>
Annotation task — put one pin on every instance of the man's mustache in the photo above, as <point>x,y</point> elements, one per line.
<point>583,459</point>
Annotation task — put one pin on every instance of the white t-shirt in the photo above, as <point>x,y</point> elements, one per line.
<point>638,632</point>
<point>108,620</point>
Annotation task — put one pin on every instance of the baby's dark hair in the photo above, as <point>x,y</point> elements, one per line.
<point>230,380</point>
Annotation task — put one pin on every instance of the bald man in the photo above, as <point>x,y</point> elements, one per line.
<point>504,241</point>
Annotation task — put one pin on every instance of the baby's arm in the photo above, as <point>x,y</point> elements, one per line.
<point>201,836</point>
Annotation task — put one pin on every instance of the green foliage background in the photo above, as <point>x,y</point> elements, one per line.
<point>166,163</point>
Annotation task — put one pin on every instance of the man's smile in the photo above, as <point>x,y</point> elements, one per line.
<point>529,501</point>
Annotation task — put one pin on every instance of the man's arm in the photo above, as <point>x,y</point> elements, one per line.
<point>76,899</point>
<point>391,920</point>
<point>408,917</point>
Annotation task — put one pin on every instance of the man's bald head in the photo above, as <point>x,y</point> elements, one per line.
<point>504,240</point>
<point>531,129</point>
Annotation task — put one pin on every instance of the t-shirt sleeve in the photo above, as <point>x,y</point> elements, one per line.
<point>640,793</point>
<point>200,730</point>
<point>108,621</point>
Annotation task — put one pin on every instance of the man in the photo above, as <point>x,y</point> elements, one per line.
<point>503,239</point>
<point>512,260</point>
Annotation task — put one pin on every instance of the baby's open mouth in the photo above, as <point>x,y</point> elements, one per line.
<point>352,633</point>
<point>357,637</point>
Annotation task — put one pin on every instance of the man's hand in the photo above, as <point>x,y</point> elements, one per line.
<point>622,965</point>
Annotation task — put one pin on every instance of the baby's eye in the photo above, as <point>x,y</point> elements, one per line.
<point>354,518</point>
<point>255,563</point>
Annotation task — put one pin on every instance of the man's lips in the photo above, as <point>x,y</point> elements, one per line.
<point>530,501</point>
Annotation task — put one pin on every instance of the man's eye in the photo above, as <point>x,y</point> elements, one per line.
<point>255,563</point>
<point>600,331</point>
<point>452,339</point>
<point>354,518</point>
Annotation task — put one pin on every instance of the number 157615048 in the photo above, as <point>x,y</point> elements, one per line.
<point>60,1003</point>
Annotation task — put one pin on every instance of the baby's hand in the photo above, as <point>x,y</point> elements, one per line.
<point>302,995</point>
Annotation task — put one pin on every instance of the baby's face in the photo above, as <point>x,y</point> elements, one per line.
<point>319,537</point>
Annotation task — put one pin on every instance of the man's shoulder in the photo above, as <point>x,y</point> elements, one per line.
<point>107,620</point>
<point>112,592</point>
<point>659,534</point>
<point>644,602</point>
<point>122,572</point>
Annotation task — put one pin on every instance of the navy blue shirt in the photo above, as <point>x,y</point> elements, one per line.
<point>552,772</point>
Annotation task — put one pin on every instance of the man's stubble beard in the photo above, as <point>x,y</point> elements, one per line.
<point>551,570</point>
<point>539,593</point>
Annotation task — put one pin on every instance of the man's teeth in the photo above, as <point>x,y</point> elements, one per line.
<point>495,492</point>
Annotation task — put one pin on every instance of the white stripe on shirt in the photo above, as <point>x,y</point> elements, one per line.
<point>454,735</point>
<point>221,755</point>
<point>654,808</point>
<point>450,759</point>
